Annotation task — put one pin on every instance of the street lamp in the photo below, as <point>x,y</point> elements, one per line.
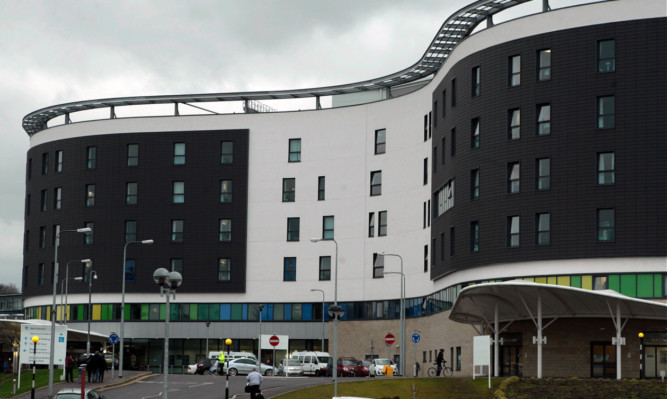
<point>322,291</point>
<point>65,281</point>
<point>260,308</point>
<point>53,307</point>
<point>208,324</point>
<point>35,339</point>
<point>337,312</point>
<point>91,275</point>
<point>229,342</point>
<point>122,305</point>
<point>402,339</point>
<point>168,283</point>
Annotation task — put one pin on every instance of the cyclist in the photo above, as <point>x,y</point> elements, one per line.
<point>440,360</point>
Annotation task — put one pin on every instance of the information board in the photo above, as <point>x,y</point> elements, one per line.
<point>40,354</point>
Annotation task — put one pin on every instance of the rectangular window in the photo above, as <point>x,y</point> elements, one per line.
<point>225,230</point>
<point>45,163</point>
<point>435,116</point>
<point>513,231</point>
<point>26,242</point>
<point>544,65</point>
<point>90,195</point>
<point>321,184</point>
<point>382,227</point>
<point>543,229</point>
<point>452,143</point>
<point>434,162</point>
<point>378,266</point>
<point>376,183</point>
<point>178,192</point>
<point>133,155</point>
<point>515,70</point>
<point>28,174</point>
<point>88,238</point>
<point>425,258</point>
<point>289,189</point>
<point>606,112</point>
<point>224,269</point>
<point>225,191</point>
<point>293,229</point>
<point>452,241</point>
<point>327,227</point>
<point>176,265</point>
<point>442,247</point>
<point>42,236</point>
<point>27,204</point>
<point>514,128</point>
<point>606,56</point>
<point>474,184</point>
<point>380,141</point>
<point>57,198</point>
<point>606,168</point>
<point>40,274</point>
<point>227,152</point>
<point>474,236</point>
<point>91,157</point>
<point>453,93</point>
<point>131,191</point>
<point>289,269</point>
<point>600,283</point>
<point>444,103</point>
<point>130,231</point>
<point>59,161</point>
<point>55,234</point>
<point>295,150</point>
<point>606,225</point>
<point>513,177</point>
<point>444,153</point>
<point>543,120</point>
<point>44,197</point>
<point>130,270</point>
<point>474,133</point>
<point>425,179</point>
<point>325,268</point>
<point>425,127</point>
<point>177,230</point>
<point>543,173</point>
<point>371,224</point>
<point>179,153</point>
<point>476,81</point>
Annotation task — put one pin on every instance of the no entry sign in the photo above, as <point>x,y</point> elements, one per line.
<point>389,339</point>
<point>274,340</point>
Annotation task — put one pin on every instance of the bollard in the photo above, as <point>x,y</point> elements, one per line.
<point>14,386</point>
<point>82,376</point>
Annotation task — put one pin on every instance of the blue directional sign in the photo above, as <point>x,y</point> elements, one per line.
<point>114,339</point>
<point>416,338</point>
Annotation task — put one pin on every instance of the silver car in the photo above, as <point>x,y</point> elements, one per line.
<point>75,393</point>
<point>289,367</point>
<point>245,366</point>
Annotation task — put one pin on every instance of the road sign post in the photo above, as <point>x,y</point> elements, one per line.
<point>274,341</point>
<point>416,338</point>
<point>113,340</point>
<point>389,340</point>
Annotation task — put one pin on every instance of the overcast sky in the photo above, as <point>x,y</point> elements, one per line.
<point>59,51</point>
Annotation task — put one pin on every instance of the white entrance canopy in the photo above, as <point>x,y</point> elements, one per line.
<point>10,332</point>
<point>506,302</point>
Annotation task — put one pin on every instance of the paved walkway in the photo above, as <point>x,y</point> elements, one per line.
<point>128,376</point>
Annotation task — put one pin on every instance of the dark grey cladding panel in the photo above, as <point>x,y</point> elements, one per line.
<point>153,213</point>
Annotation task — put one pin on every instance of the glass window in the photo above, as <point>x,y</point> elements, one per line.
<point>382,227</point>
<point>225,231</point>
<point>320,188</point>
<point>56,233</point>
<point>133,155</point>
<point>514,131</point>
<point>371,224</point>
<point>452,143</point>
<point>380,141</point>
<point>543,174</point>
<point>378,266</point>
<point>544,65</point>
<point>179,153</point>
<point>474,133</point>
<point>606,56</point>
<point>295,150</point>
<point>425,180</point>
<point>44,198</point>
<point>293,229</point>
<point>474,184</point>
<point>178,192</point>
<point>325,268</point>
<point>543,228</point>
<point>515,70</point>
<point>227,152</point>
<point>289,269</point>
<point>452,241</point>
<point>57,198</point>
<point>225,191</point>
<point>42,236</point>
<point>476,81</point>
<point>442,247</point>
<point>177,230</point>
<point>606,168</point>
<point>453,93</point>
<point>130,270</point>
<point>606,225</point>
<point>474,236</point>
<point>130,231</point>
<point>91,157</point>
<point>45,163</point>
<point>606,112</point>
<point>513,231</point>
<point>131,190</point>
<point>376,182</point>
<point>59,161</point>
<point>327,227</point>
<point>543,120</point>
<point>176,265</point>
<point>513,177</point>
<point>600,283</point>
<point>289,189</point>
<point>88,238</point>
<point>224,269</point>
<point>444,103</point>
<point>90,195</point>
<point>40,274</point>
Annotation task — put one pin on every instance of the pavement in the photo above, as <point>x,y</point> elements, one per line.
<point>129,376</point>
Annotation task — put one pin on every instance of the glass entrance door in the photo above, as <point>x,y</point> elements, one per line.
<point>510,360</point>
<point>603,360</point>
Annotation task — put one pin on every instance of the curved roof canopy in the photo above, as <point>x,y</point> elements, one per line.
<point>458,26</point>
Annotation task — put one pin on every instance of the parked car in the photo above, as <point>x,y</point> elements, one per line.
<point>361,369</point>
<point>245,366</point>
<point>110,359</point>
<point>377,366</point>
<point>289,367</point>
<point>314,363</point>
<point>346,366</point>
<point>75,393</point>
<point>192,368</point>
<point>204,365</point>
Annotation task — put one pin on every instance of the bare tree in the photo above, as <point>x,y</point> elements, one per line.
<point>9,289</point>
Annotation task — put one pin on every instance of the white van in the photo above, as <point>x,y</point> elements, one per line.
<point>314,363</point>
<point>233,355</point>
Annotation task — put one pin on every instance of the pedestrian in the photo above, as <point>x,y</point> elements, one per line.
<point>69,368</point>
<point>101,368</point>
<point>440,360</point>
<point>221,363</point>
<point>254,381</point>
<point>92,366</point>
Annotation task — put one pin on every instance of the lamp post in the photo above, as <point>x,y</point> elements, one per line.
<point>260,308</point>
<point>53,306</point>
<point>229,342</point>
<point>168,283</point>
<point>35,339</point>
<point>65,281</point>
<point>122,306</point>
<point>91,275</point>
<point>402,339</point>
<point>337,312</point>
<point>322,291</point>
<point>208,324</point>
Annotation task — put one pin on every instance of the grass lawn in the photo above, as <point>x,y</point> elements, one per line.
<point>41,380</point>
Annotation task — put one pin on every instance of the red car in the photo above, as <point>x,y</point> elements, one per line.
<point>346,366</point>
<point>361,368</point>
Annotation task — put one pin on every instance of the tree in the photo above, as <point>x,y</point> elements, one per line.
<point>9,289</point>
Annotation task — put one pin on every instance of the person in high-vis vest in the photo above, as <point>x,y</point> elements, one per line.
<point>221,362</point>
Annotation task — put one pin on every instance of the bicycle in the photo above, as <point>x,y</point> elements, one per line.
<point>445,372</point>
